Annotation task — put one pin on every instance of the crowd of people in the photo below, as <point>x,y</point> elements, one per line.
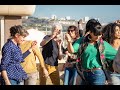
<point>93,56</point>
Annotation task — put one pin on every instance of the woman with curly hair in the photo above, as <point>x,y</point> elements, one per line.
<point>111,34</point>
<point>11,70</point>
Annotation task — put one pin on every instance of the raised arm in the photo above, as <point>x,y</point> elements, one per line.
<point>46,39</point>
<point>60,52</point>
<point>25,54</point>
<point>69,40</point>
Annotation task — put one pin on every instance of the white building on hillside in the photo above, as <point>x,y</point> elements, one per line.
<point>54,17</point>
<point>85,19</point>
<point>67,18</point>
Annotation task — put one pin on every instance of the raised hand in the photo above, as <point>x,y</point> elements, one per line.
<point>34,43</point>
<point>67,37</point>
<point>59,42</point>
<point>54,34</point>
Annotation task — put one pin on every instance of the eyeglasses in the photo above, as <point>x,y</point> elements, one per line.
<point>71,30</point>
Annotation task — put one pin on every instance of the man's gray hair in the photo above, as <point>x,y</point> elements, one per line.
<point>55,25</point>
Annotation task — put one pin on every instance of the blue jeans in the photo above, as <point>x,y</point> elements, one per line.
<point>115,78</point>
<point>96,77</point>
<point>14,82</point>
<point>70,76</point>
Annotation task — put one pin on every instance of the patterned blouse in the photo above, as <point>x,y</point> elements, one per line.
<point>11,59</point>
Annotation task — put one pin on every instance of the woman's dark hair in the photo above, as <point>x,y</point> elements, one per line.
<point>75,29</point>
<point>18,29</point>
<point>94,26</point>
<point>109,32</point>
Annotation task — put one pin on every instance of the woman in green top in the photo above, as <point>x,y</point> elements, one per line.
<point>91,63</point>
<point>111,34</point>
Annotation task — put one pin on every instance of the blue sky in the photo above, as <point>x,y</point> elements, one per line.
<point>106,13</point>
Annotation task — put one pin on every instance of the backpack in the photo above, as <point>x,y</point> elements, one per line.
<point>116,62</point>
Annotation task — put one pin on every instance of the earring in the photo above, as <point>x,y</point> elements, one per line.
<point>89,38</point>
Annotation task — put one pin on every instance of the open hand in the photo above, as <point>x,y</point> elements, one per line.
<point>59,42</point>
<point>67,37</point>
<point>34,43</point>
<point>54,34</point>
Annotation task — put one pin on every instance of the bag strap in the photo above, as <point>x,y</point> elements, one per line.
<point>101,48</point>
<point>82,47</point>
<point>100,45</point>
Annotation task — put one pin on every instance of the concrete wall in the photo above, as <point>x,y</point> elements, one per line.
<point>17,10</point>
<point>12,15</point>
<point>10,21</point>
